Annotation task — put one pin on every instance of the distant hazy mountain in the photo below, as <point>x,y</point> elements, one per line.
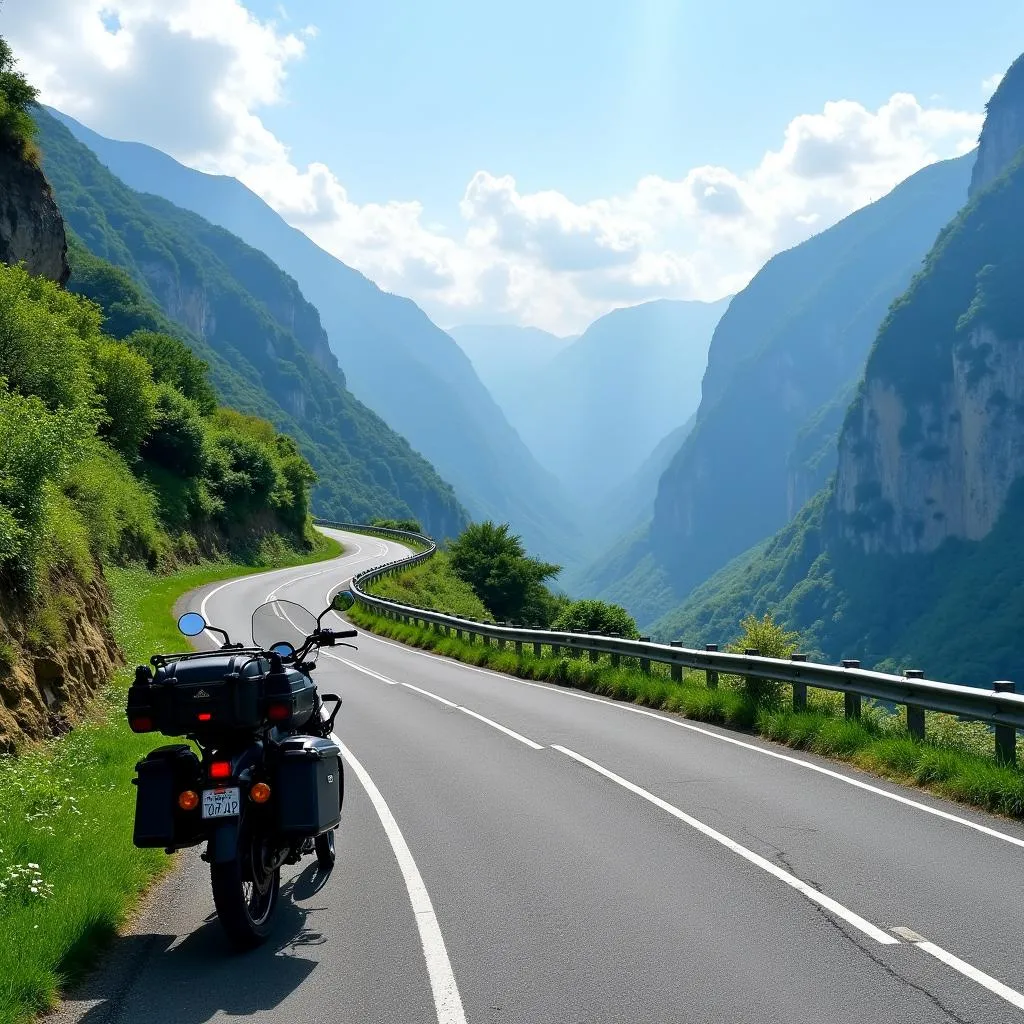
<point>398,362</point>
<point>781,364</point>
<point>594,413</point>
<point>267,351</point>
<point>506,357</point>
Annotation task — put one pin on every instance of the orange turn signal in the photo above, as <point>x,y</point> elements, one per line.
<point>188,801</point>
<point>260,793</point>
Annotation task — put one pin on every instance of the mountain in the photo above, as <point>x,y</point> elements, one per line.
<point>595,412</point>
<point>782,360</point>
<point>507,357</point>
<point>400,364</point>
<point>267,350</point>
<point>912,554</point>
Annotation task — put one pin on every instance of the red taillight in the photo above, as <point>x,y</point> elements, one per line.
<point>279,712</point>
<point>204,716</point>
<point>141,723</point>
<point>220,769</point>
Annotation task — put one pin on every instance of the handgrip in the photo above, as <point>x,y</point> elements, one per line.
<point>346,632</point>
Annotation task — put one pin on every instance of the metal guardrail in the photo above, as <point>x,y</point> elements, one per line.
<point>1001,707</point>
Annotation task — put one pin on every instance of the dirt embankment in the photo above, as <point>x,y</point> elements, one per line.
<point>55,653</point>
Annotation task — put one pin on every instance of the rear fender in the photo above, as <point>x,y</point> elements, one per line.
<point>223,845</point>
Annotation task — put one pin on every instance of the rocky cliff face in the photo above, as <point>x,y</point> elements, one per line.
<point>935,440</point>
<point>31,227</point>
<point>912,474</point>
<point>1003,134</point>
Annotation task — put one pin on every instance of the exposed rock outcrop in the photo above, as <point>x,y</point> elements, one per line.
<point>46,680</point>
<point>31,227</point>
<point>1003,135</point>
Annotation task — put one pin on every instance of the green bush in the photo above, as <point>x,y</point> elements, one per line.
<point>178,440</point>
<point>492,560</point>
<point>17,99</point>
<point>409,525</point>
<point>589,615</point>
<point>174,363</point>
<point>771,640</point>
<point>124,386</point>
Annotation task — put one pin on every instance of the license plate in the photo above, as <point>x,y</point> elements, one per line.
<point>221,803</point>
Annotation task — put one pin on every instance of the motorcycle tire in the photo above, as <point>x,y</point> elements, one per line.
<point>245,894</point>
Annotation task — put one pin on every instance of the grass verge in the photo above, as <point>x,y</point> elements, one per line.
<point>954,762</point>
<point>69,874</point>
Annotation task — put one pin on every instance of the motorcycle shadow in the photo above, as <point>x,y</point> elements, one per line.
<point>166,979</point>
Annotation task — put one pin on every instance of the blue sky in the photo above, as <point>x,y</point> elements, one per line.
<point>543,162</point>
<point>586,96</point>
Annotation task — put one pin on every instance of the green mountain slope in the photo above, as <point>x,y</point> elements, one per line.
<point>396,361</point>
<point>267,351</point>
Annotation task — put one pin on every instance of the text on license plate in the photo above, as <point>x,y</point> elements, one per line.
<point>221,803</point>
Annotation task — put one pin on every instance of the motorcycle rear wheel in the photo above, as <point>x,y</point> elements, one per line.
<point>325,851</point>
<point>245,894</point>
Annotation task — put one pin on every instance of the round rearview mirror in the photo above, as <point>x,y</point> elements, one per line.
<point>191,624</point>
<point>343,600</point>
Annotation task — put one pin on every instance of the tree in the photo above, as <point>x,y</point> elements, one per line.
<point>124,382</point>
<point>175,363</point>
<point>598,616</point>
<point>494,563</point>
<point>17,98</point>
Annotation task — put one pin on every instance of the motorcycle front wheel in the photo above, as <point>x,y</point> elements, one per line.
<point>245,892</point>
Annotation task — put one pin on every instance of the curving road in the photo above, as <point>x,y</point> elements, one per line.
<point>511,851</point>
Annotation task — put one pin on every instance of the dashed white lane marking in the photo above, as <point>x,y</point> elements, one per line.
<point>678,723</point>
<point>967,970</point>
<point>829,904</point>
<point>447,1001</point>
<point>443,700</point>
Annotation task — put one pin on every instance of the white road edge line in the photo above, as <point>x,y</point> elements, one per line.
<point>829,904</point>
<point>447,1001</point>
<point>967,970</point>
<point>632,709</point>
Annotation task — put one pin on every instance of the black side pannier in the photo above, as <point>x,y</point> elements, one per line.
<point>308,788</point>
<point>163,774</point>
<point>189,696</point>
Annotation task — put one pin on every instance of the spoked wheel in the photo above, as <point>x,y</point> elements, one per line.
<point>245,892</point>
<point>325,854</point>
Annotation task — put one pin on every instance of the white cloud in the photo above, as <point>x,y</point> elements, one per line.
<point>536,257</point>
<point>990,84</point>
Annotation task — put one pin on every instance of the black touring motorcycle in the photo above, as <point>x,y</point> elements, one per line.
<point>266,787</point>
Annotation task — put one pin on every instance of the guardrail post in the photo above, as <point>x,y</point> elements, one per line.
<point>594,655</point>
<point>556,650</point>
<point>711,674</point>
<point>851,701</point>
<point>799,689</point>
<point>1006,735</point>
<point>519,648</point>
<point>677,670</point>
<point>458,634</point>
<point>645,663</point>
<point>538,649</point>
<point>915,715</point>
<point>753,683</point>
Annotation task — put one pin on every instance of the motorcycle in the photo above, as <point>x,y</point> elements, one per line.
<point>266,786</point>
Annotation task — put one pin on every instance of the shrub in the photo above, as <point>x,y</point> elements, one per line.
<point>772,640</point>
<point>598,616</point>
<point>124,384</point>
<point>174,363</point>
<point>178,438</point>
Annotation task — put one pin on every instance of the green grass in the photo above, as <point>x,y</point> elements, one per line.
<point>66,809</point>
<point>956,761</point>
<point>432,584</point>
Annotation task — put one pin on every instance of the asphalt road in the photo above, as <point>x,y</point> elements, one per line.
<point>518,852</point>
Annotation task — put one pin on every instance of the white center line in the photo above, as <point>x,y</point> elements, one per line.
<point>448,703</point>
<point>447,1001</point>
<point>966,969</point>
<point>858,922</point>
